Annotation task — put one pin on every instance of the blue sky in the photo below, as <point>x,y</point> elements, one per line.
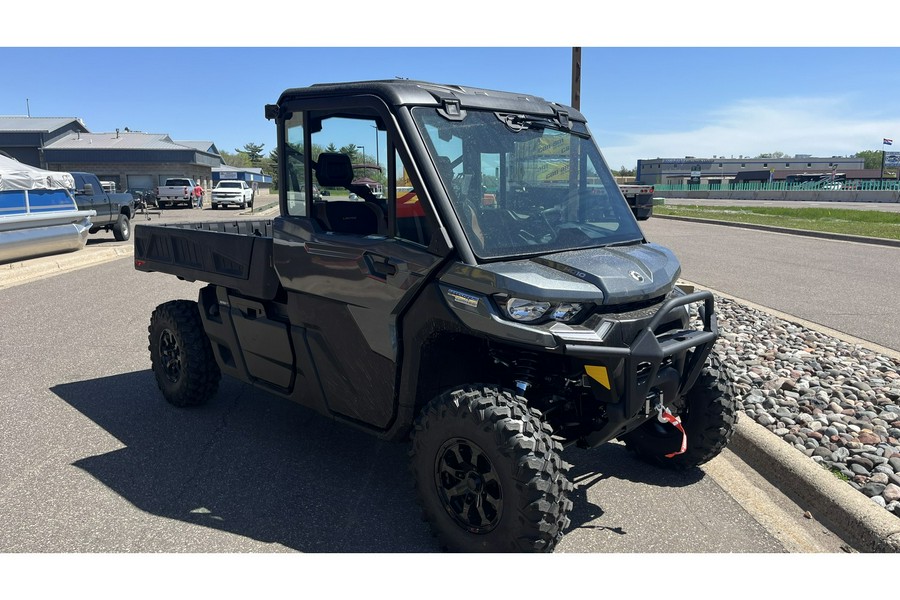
<point>641,102</point>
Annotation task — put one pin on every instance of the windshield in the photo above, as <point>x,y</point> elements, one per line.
<point>227,184</point>
<point>523,185</point>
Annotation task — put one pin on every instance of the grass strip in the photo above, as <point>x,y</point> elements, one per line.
<point>868,223</point>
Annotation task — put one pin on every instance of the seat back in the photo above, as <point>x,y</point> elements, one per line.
<point>347,216</point>
<point>334,170</point>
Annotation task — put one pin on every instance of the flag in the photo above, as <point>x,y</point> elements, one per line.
<point>887,142</point>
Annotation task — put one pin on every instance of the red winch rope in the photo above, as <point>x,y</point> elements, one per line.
<point>666,416</point>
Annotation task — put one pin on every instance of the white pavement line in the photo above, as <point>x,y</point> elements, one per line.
<point>760,505</point>
<point>14,274</point>
<point>846,337</point>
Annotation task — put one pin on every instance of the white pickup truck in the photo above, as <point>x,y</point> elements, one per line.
<point>232,192</point>
<point>640,199</point>
<point>178,190</point>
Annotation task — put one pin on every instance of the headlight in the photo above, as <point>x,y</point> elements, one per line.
<point>519,309</point>
<point>566,311</point>
<point>526,311</point>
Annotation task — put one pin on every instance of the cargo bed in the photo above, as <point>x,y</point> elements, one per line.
<point>234,254</point>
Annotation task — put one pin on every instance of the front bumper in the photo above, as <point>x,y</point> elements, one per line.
<point>236,200</point>
<point>655,368</point>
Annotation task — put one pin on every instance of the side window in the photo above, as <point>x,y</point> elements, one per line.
<point>348,188</point>
<point>295,171</point>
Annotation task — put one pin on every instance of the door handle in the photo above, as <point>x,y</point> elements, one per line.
<point>381,266</point>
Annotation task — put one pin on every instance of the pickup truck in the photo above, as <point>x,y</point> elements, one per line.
<point>176,191</point>
<point>231,192</point>
<point>114,211</point>
<point>491,336</point>
<point>639,198</point>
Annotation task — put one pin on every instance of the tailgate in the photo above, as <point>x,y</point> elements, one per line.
<point>236,254</point>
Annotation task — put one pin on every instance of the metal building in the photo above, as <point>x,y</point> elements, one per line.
<point>131,159</point>
<point>719,170</point>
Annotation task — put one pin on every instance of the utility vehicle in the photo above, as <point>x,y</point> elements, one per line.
<point>490,334</point>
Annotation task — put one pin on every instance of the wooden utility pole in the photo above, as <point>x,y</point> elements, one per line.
<point>576,78</point>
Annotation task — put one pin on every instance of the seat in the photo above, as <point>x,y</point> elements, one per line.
<point>334,170</point>
<point>346,216</point>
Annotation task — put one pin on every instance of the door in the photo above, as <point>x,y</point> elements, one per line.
<point>95,200</point>
<point>349,272</point>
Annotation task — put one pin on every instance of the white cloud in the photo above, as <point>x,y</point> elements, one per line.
<point>793,125</point>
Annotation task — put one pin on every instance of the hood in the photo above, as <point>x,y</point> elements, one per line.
<point>622,273</point>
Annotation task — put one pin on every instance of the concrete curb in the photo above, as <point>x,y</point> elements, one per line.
<point>19,272</point>
<point>805,232</point>
<point>844,510</point>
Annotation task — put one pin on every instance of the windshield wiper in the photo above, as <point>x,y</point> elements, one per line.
<point>519,122</point>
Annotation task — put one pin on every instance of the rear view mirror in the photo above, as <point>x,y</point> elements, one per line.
<point>88,189</point>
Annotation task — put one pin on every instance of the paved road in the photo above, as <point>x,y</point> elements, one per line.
<point>95,461</point>
<point>846,286</point>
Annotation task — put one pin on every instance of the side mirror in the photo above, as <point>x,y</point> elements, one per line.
<point>88,189</point>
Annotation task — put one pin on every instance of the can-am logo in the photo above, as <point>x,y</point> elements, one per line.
<point>637,276</point>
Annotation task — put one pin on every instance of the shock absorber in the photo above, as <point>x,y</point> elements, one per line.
<point>524,371</point>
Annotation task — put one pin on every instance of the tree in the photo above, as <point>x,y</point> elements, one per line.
<point>235,160</point>
<point>253,152</point>
<point>271,167</point>
<point>872,158</point>
<point>349,150</point>
<point>772,155</point>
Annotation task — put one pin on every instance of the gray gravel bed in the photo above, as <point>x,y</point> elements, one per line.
<point>836,402</point>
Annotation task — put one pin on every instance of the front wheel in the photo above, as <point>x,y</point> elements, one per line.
<point>708,420</point>
<point>488,473</point>
<point>181,355</point>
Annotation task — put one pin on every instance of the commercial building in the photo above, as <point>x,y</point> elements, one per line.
<point>131,159</point>
<point>720,170</point>
<point>254,177</point>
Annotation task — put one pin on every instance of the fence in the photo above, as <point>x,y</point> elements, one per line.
<point>783,186</point>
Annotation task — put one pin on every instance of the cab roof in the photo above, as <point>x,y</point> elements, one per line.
<point>406,92</point>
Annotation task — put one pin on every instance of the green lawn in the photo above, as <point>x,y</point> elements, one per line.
<point>868,223</point>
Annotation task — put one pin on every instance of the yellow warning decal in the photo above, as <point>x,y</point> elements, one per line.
<point>598,374</point>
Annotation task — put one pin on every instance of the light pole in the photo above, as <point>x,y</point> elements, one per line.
<point>363,161</point>
<point>377,157</point>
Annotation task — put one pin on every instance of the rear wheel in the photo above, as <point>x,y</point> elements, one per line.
<point>122,228</point>
<point>488,474</point>
<point>708,422</point>
<point>180,354</point>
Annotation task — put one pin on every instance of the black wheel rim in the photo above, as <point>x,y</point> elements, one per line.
<point>170,355</point>
<point>468,486</point>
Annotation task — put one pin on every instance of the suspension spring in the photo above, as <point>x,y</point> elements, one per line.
<point>525,370</point>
